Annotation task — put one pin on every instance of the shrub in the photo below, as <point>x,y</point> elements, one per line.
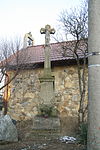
<point>47,111</point>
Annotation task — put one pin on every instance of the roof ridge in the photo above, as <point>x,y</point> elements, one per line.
<point>50,43</point>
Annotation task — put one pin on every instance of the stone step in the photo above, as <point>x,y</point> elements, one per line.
<point>46,127</point>
<point>43,134</point>
<point>50,123</point>
<point>46,132</point>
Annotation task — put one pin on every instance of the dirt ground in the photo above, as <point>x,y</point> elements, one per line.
<point>27,141</point>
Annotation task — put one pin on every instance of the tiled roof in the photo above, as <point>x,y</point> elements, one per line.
<point>35,54</point>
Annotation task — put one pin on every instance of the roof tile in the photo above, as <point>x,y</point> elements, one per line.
<point>35,54</point>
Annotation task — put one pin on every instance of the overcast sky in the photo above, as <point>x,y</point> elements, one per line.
<point>18,17</point>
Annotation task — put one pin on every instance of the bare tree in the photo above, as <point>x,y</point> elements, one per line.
<point>75,25</point>
<point>8,50</point>
<point>13,57</point>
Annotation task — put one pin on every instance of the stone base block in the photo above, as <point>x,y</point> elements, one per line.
<point>46,127</point>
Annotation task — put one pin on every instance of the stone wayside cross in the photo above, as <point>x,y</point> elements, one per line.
<point>47,80</point>
<point>47,91</point>
<point>47,64</point>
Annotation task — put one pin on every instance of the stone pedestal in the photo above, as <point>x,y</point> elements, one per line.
<point>46,127</point>
<point>47,89</point>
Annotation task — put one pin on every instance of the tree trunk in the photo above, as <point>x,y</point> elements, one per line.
<point>94,76</point>
<point>5,107</point>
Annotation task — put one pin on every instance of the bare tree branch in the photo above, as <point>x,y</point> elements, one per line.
<point>8,49</point>
<point>75,24</point>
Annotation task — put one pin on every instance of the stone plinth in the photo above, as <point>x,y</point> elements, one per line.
<point>46,127</point>
<point>47,89</point>
<point>46,123</point>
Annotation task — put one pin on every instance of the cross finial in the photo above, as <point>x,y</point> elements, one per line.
<point>28,40</point>
<point>47,31</point>
<point>47,63</point>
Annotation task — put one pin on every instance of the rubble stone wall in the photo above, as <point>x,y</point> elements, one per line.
<point>25,94</point>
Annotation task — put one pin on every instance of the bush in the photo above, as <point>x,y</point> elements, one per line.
<point>47,111</point>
